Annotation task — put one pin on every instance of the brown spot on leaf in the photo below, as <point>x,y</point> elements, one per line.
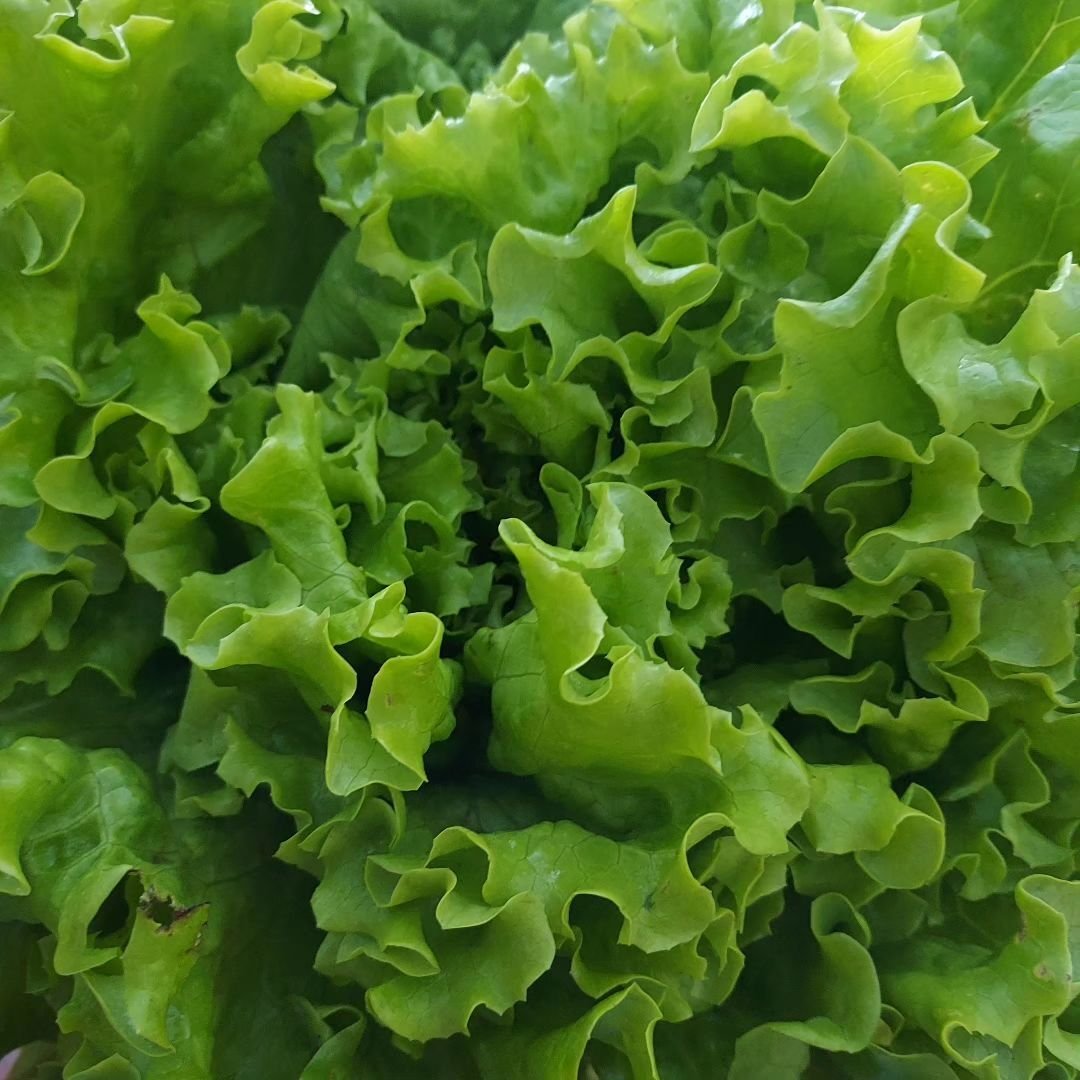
<point>164,911</point>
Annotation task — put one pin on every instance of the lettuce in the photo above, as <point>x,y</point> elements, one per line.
<point>539,539</point>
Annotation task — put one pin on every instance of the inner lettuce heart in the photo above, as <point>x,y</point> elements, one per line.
<point>539,539</point>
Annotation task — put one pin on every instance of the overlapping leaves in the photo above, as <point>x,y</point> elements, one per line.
<point>606,607</point>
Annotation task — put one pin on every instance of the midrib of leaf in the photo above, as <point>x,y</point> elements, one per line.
<point>1057,24</point>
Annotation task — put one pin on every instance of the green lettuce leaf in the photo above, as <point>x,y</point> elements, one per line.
<point>539,539</point>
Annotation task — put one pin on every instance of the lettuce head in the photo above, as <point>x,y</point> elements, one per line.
<point>539,539</point>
